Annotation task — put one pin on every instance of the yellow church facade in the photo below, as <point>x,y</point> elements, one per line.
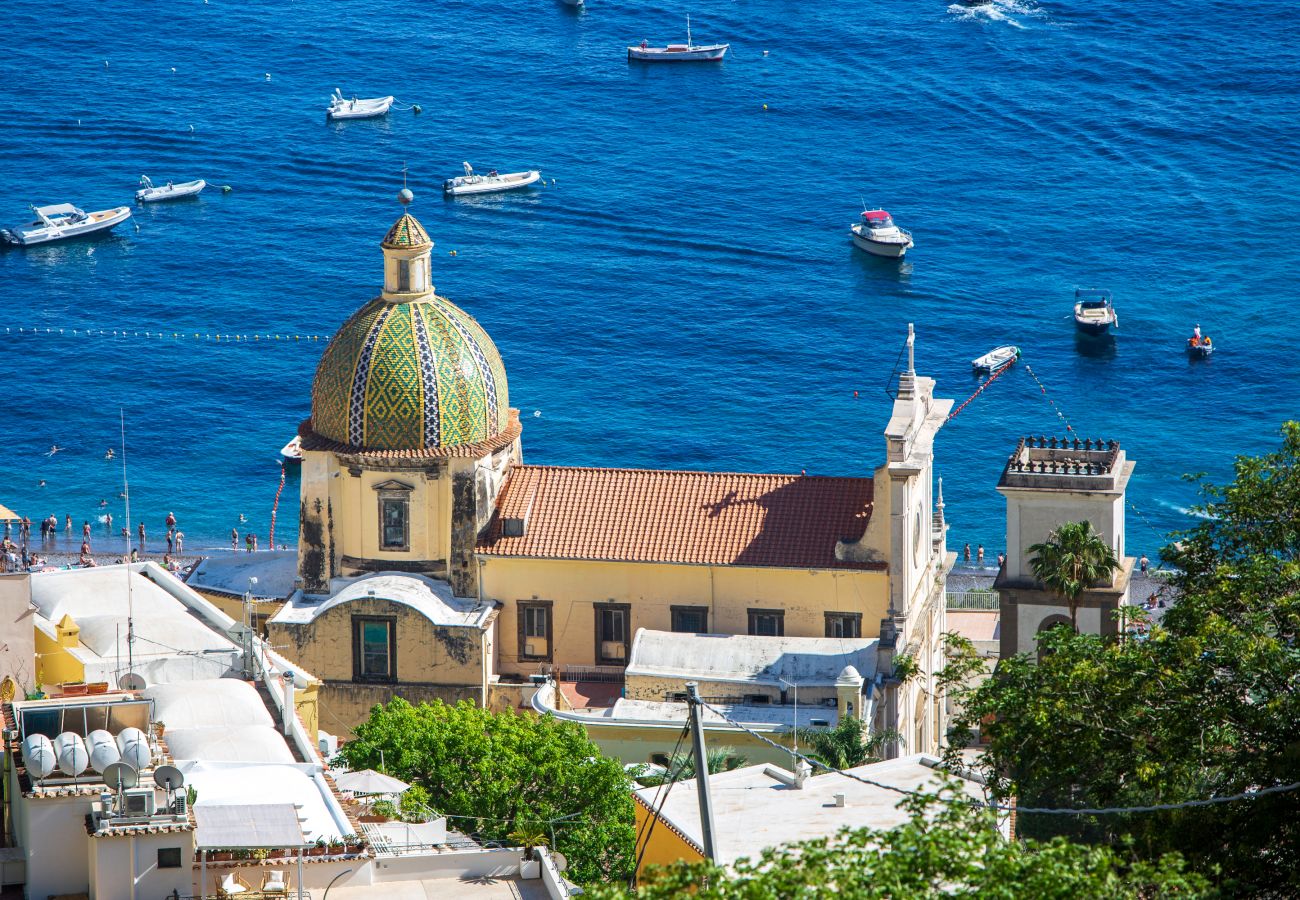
<point>413,468</point>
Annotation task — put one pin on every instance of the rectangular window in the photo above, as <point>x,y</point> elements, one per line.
<point>374,649</point>
<point>169,857</point>
<point>767,622</point>
<point>393,523</point>
<point>613,633</point>
<point>690,619</point>
<point>403,275</point>
<point>535,630</point>
<point>843,625</point>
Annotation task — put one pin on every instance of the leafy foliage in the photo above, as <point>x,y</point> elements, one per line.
<point>944,849</point>
<point>498,772</point>
<point>681,765</point>
<point>1206,706</point>
<point>845,745</point>
<point>1072,558</point>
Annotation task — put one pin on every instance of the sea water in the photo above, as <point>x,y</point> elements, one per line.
<point>682,293</point>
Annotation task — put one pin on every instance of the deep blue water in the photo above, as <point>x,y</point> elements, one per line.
<point>686,295</point>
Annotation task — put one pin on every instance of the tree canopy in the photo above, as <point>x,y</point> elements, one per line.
<point>1206,706</point>
<point>945,849</point>
<point>503,773</point>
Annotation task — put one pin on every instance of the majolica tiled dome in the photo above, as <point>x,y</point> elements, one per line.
<point>410,374</point>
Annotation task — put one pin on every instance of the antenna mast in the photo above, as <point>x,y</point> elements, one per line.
<point>130,599</point>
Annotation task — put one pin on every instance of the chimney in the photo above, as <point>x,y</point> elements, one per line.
<point>286,682</point>
<point>839,801</point>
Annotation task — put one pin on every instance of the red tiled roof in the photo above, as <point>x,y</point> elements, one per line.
<point>702,518</point>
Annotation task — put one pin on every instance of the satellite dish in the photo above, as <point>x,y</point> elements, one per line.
<point>121,776</point>
<point>131,681</point>
<point>8,688</point>
<point>169,778</point>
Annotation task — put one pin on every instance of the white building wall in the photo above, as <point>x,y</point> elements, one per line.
<point>53,834</point>
<point>1029,616</point>
<point>126,867</point>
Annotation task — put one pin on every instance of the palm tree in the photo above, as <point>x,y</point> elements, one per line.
<point>1072,558</point>
<point>845,746</point>
<point>681,766</point>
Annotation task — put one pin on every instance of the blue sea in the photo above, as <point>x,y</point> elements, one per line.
<point>684,294</point>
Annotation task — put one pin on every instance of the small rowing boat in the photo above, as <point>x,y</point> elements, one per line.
<point>340,108</point>
<point>687,52</point>
<point>292,451</point>
<point>996,358</point>
<point>491,183</point>
<point>62,221</point>
<point>1199,345</point>
<point>149,193</point>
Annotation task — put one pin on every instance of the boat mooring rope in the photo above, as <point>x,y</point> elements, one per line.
<point>1055,408</point>
<point>276,506</point>
<point>979,390</point>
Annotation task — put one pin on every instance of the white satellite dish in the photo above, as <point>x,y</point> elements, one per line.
<point>131,681</point>
<point>121,776</point>
<point>169,778</point>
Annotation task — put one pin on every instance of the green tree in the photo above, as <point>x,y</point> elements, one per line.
<point>1206,706</point>
<point>945,849</point>
<point>846,745</point>
<point>498,772</point>
<point>1072,558</point>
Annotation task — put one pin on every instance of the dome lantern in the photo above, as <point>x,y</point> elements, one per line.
<point>406,257</point>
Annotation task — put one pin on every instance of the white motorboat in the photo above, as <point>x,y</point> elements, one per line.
<point>62,221</point>
<point>292,451</point>
<point>341,108</point>
<point>574,3</point>
<point>150,193</point>
<point>996,358</point>
<point>878,235</point>
<point>687,52</point>
<point>492,182</point>
<point>1094,312</point>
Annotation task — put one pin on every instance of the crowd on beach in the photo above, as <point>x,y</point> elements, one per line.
<point>18,554</point>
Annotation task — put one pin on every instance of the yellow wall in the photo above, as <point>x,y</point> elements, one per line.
<point>54,663</point>
<point>664,845</point>
<point>432,661</point>
<point>652,588</point>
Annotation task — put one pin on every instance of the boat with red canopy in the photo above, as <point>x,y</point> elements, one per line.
<point>878,235</point>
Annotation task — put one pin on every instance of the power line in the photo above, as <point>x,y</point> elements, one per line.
<point>676,770</point>
<point>1001,807</point>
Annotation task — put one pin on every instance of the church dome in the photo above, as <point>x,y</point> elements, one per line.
<point>409,371</point>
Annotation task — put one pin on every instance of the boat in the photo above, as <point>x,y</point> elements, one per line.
<point>340,108</point>
<point>996,358</point>
<point>62,221</point>
<point>687,52</point>
<point>1199,345</point>
<point>491,183</point>
<point>148,193</point>
<point>878,235</point>
<point>574,3</point>
<point>1094,313</point>
<point>292,451</point>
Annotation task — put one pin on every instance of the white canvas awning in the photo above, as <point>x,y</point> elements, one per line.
<point>368,781</point>
<point>248,826</point>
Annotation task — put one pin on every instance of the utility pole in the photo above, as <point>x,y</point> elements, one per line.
<point>701,767</point>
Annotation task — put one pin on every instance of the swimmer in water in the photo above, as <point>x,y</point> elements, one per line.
<point>42,483</point>
<point>103,503</point>
<point>55,448</point>
<point>109,453</point>
<point>242,518</point>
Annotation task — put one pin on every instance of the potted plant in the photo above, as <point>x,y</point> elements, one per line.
<point>528,837</point>
<point>219,855</point>
<point>318,848</point>
<point>353,843</point>
<point>335,845</point>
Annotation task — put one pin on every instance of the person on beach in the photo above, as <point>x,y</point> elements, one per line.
<point>85,531</point>
<point>1002,558</point>
<point>85,549</point>
<point>126,534</point>
<point>180,539</point>
<point>171,541</point>
<point>67,523</point>
<point>140,531</point>
<point>1144,562</point>
<point>965,554</point>
<point>108,521</point>
<point>135,555</point>
<point>248,542</point>
<point>234,539</point>
<point>254,534</point>
<point>979,555</point>
<point>171,521</point>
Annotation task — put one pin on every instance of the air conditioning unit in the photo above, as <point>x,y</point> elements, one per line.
<point>180,805</point>
<point>138,802</point>
<point>535,646</point>
<point>613,650</point>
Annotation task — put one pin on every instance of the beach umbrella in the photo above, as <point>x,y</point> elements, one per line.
<point>368,781</point>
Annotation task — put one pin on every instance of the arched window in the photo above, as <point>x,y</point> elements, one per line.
<point>1046,625</point>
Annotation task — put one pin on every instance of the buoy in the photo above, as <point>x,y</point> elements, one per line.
<point>855,395</point>
<point>764,106</point>
<point>268,76</point>
<point>537,414</point>
<point>226,189</point>
<point>105,64</point>
<point>452,253</point>
<point>765,52</point>
<point>417,109</point>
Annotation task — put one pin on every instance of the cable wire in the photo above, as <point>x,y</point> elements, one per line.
<point>1002,807</point>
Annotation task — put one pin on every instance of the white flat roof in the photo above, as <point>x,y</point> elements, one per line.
<point>229,572</point>
<point>753,811</point>
<point>757,714</point>
<point>243,784</point>
<point>430,597</point>
<point>749,659</point>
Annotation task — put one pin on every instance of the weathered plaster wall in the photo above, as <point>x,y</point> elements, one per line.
<point>17,637</point>
<point>574,586</point>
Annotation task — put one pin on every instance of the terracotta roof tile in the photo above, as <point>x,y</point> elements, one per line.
<point>701,518</point>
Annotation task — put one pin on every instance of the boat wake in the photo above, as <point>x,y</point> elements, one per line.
<point>1011,12</point>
